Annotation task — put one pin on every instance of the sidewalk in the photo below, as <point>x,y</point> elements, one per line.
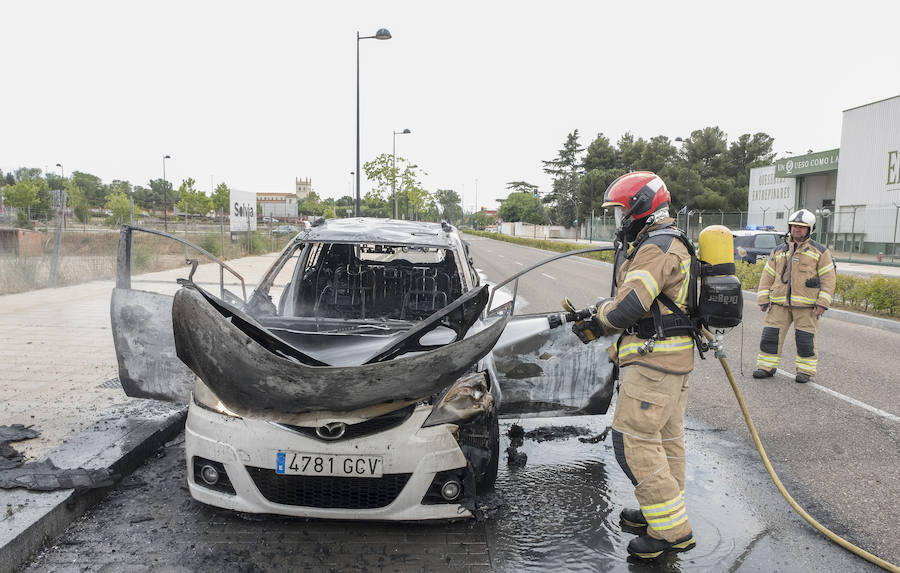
<point>59,375</point>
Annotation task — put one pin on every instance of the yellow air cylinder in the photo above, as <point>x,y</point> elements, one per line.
<point>716,245</point>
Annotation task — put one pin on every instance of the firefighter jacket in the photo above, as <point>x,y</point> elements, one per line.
<point>661,264</point>
<point>799,275</point>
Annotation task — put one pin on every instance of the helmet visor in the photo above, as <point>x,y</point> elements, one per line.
<point>619,214</point>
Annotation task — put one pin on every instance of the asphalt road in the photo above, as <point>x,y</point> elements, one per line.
<point>838,459</point>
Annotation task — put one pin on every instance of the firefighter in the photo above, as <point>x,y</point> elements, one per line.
<point>648,425</point>
<point>796,287</point>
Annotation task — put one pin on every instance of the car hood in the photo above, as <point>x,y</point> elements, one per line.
<point>248,367</point>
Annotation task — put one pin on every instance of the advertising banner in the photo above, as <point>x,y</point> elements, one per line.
<point>243,210</point>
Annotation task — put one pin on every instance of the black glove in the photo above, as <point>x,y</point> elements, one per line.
<point>588,329</point>
<point>813,282</point>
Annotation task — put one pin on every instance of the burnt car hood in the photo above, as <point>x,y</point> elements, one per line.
<point>249,367</point>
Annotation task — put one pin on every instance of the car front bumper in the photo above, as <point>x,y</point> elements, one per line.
<point>247,450</point>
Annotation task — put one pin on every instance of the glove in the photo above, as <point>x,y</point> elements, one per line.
<point>813,282</point>
<point>588,329</point>
<point>764,307</point>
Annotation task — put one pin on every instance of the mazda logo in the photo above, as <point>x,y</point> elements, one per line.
<point>331,431</point>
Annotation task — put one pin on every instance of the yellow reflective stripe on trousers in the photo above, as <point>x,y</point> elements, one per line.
<point>646,278</point>
<point>664,507</point>
<point>671,344</point>
<point>669,522</point>
<point>825,269</point>
<point>768,361</point>
<point>811,362</point>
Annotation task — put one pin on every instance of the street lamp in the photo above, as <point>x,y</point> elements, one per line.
<point>61,170</point>
<point>381,34</point>
<point>165,195</point>
<point>394,171</point>
<point>408,167</point>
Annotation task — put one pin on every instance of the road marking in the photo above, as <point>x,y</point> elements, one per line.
<point>549,277</point>
<point>520,264</point>
<point>848,399</point>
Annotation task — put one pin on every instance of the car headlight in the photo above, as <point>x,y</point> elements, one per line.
<point>467,397</point>
<point>204,398</point>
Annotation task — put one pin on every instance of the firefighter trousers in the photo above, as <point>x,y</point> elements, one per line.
<point>778,321</point>
<point>648,440</point>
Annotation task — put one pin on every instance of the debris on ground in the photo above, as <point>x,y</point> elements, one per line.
<point>9,456</point>
<point>598,438</point>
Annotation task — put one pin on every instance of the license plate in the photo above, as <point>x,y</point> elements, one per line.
<point>300,463</point>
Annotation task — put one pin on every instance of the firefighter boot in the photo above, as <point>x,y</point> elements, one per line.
<point>646,547</point>
<point>633,521</point>
<point>803,377</point>
<point>762,373</point>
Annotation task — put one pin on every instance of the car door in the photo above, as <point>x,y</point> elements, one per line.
<point>142,327</point>
<point>544,370</point>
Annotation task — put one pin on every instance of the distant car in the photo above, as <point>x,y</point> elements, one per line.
<point>269,220</point>
<point>285,230</point>
<point>755,245</point>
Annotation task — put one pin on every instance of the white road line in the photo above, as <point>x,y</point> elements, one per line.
<point>520,264</point>
<point>549,277</point>
<point>848,399</point>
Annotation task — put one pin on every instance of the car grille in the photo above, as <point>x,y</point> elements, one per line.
<point>328,491</point>
<point>369,427</point>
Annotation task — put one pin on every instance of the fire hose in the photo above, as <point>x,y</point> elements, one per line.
<point>573,315</point>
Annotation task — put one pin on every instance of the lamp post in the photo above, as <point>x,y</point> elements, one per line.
<point>407,189</point>
<point>394,171</point>
<point>381,34</point>
<point>62,171</point>
<point>823,214</point>
<point>165,196</point>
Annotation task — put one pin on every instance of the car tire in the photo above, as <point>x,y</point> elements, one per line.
<point>486,480</point>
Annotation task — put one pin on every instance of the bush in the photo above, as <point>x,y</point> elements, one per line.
<point>556,246</point>
<point>748,274</point>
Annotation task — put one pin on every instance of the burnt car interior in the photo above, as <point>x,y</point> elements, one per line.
<point>371,281</point>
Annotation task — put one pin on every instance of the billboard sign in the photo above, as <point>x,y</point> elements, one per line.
<point>243,210</point>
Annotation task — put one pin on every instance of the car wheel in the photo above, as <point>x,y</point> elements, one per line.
<point>487,479</point>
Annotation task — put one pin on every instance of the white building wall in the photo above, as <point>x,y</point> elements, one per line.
<point>869,174</point>
<point>771,198</point>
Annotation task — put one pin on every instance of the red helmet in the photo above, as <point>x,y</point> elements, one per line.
<point>639,192</point>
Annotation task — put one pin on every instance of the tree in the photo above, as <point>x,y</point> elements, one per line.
<point>221,198</point>
<point>705,151</point>
<point>27,195</point>
<point>450,205</point>
<point>163,195</point>
<point>192,200</point>
<point>591,189</point>
<point>522,187</point>
<point>482,219</point>
<point>120,205</point>
<point>27,173</point>
<point>76,200</point>
<point>93,188</point>
<point>600,154</point>
<point>657,154</point>
<point>566,171</point>
<point>523,207</point>
<point>311,205</point>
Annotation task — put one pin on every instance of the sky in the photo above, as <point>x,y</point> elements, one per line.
<point>256,94</point>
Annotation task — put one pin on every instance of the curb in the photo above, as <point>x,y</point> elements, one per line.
<point>45,515</point>
<point>853,317</point>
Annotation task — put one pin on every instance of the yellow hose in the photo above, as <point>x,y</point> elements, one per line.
<point>800,511</point>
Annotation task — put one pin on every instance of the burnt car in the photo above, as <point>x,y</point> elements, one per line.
<point>753,245</point>
<point>363,377</point>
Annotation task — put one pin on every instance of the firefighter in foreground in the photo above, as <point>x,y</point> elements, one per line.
<point>655,355</point>
<point>796,286</point>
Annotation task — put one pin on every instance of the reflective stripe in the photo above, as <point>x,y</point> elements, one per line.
<point>824,295</point>
<point>769,269</point>
<point>763,292</point>
<point>669,522</point>
<point>664,507</point>
<point>670,344</point>
<point>768,361</point>
<point>646,278</point>
<point>825,269</point>
<point>811,254</point>
<point>682,293</point>
<point>798,298</point>
<point>773,298</point>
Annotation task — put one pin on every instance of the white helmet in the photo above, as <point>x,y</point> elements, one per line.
<point>803,218</point>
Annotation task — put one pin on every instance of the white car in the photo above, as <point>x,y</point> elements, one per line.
<point>362,379</point>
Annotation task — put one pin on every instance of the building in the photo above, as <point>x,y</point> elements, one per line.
<point>277,205</point>
<point>303,188</point>
<point>854,190</point>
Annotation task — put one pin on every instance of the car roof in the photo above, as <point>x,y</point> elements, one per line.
<point>748,233</point>
<point>385,231</point>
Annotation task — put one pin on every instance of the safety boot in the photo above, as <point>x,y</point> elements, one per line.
<point>646,547</point>
<point>803,377</point>
<point>633,521</point>
<point>762,373</point>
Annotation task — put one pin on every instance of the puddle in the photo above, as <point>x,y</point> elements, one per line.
<point>562,507</point>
